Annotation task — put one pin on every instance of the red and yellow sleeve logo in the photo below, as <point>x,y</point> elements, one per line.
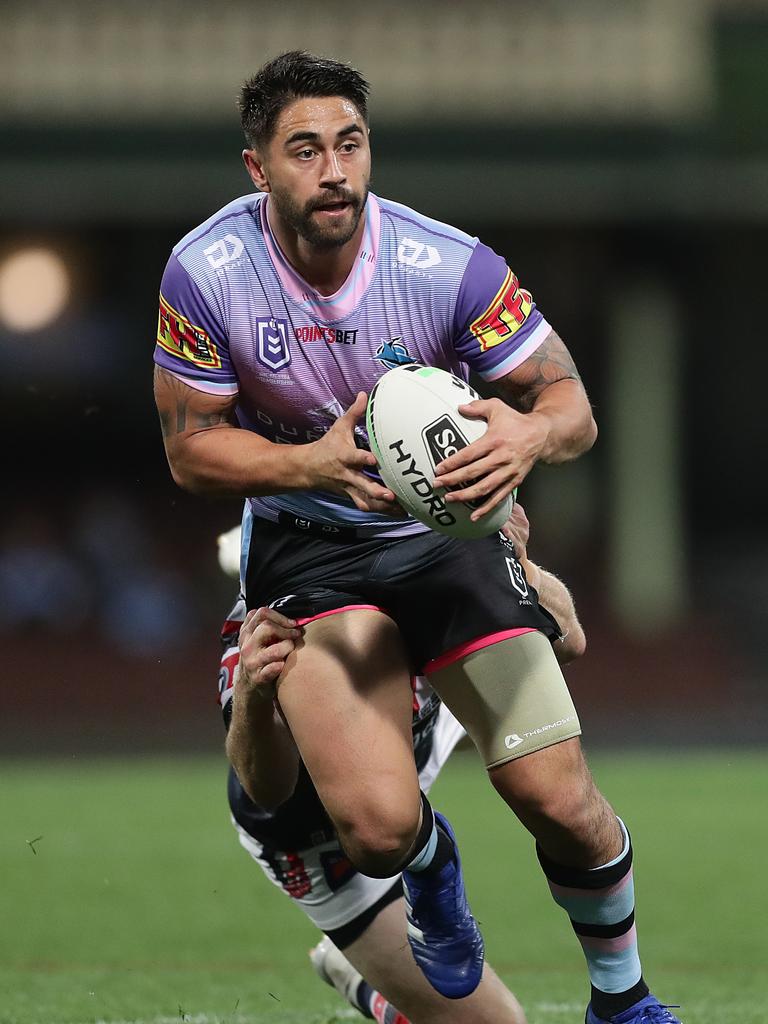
<point>505,316</point>
<point>178,336</point>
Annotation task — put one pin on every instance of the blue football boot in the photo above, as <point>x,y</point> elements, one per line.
<point>444,937</point>
<point>647,1011</point>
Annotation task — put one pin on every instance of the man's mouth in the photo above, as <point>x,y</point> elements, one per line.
<point>337,206</point>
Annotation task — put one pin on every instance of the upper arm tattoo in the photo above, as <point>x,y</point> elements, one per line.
<point>550,363</point>
<point>174,400</point>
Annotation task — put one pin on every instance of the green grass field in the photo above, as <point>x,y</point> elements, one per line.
<point>126,898</point>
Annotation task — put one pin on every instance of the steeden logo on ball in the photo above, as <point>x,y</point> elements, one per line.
<point>414,425</point>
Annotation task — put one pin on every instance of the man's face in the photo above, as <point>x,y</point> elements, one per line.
<point>317,168</point>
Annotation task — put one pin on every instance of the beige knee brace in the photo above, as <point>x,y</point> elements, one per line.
<point>511,697</point>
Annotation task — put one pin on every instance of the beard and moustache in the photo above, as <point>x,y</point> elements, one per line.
<point>299,218</point>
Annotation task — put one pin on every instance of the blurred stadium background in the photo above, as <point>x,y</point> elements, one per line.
<point>615,152</point>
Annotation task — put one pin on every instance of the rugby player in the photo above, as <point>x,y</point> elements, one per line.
<point>277,315</point>
<point>287,832</point>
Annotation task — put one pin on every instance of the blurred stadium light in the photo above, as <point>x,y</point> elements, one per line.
<point>34,289</point>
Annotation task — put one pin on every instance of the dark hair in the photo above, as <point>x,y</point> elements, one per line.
<point>291,76</point>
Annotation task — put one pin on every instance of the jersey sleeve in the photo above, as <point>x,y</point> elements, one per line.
<point>496,322</point>
<point>191,342</point>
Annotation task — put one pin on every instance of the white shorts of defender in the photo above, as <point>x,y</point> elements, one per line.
<point>311,870</point>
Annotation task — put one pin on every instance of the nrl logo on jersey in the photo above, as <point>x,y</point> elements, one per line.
<point>272,348</point>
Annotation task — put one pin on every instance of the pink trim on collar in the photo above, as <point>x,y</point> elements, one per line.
<point>329,308</point>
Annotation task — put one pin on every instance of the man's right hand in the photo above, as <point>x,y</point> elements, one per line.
<point>336,464</point>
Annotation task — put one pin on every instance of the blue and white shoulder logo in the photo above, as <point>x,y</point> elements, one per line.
<point>393,353</point>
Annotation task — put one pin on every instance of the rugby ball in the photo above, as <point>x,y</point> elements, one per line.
<point>413,424</point>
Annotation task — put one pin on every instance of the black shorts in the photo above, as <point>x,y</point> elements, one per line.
<point>447,596</point>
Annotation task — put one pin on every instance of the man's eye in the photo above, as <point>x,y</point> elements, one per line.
<point>349,147</point>
<point>305,154</point>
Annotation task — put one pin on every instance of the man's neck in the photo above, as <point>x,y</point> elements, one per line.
<point>325,270</point>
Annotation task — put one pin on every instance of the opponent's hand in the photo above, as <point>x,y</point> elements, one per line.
<point>517,529</point>
<point>336,464</point>
<point>266,640</point>
<point>499,461</point>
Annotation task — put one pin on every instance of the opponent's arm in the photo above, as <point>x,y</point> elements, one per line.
<point>259,744</point>
<point>558,600</point>
<point>208,453</point>
<point>553,593</point>
<point>545,415</point>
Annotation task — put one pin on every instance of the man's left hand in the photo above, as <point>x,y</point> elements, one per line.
<point>266,640</point>
<point>499,461</point>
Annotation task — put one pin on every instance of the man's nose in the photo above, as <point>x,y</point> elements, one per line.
<point>332,171</point>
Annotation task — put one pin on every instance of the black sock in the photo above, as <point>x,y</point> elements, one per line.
<point>430,834</point>
<point>444,852</point>
<point>608,1004</point>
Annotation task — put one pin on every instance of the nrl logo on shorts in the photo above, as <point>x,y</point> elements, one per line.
<point>272,344</point>
<point>516,576</point>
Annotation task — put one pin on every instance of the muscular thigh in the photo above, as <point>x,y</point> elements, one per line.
<point>510,696</point>
<point>345,693</point>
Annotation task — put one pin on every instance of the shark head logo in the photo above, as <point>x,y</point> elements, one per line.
<point>393,353</point>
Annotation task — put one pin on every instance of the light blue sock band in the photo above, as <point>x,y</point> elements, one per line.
<point>422,860</point>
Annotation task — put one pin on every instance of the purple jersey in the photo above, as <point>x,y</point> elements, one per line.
<point>236,318</point>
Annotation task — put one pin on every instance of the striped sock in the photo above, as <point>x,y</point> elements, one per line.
<point>601,905</point>
<point>373,1004</point>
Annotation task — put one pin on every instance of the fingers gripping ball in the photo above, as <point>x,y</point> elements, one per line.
<point>413,424</point>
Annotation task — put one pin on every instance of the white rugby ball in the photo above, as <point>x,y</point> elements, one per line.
<point>413,424</point>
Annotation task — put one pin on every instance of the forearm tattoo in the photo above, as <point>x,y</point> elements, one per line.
<point>173,403</point>
<point>550,363</point>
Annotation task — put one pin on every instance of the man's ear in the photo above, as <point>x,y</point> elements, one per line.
<point>256,170</point>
